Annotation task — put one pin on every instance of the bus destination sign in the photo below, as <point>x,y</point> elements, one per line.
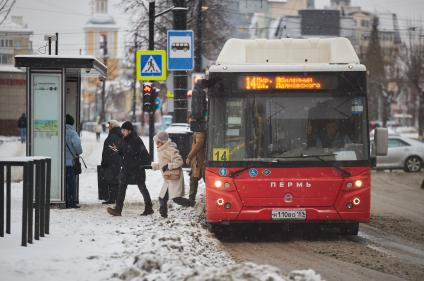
<point>280,82</point>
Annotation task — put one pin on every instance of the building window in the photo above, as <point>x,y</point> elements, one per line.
<point>365,23</point>
<point>6,59</point>
<point>6,43</point>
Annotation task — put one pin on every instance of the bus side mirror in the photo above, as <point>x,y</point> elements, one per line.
<point>381,141</point>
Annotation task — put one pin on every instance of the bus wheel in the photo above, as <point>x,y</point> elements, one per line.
<point>350,229</point>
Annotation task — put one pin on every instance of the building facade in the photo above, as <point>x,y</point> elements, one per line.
<point>101,41</point>
<point>15,39</point>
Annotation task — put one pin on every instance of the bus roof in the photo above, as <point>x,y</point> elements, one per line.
<point>288,51</point>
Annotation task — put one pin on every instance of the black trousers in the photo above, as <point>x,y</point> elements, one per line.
<point>112,191</point>
<point>122,189</point>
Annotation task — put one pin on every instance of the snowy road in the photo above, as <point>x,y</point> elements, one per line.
<point>88,244</point>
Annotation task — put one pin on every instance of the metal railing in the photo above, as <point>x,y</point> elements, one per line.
<point>35,196</point>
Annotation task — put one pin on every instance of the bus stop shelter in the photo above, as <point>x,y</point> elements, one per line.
<point>53,90</point>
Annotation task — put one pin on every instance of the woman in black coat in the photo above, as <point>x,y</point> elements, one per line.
<point>112,160</point>
<point>134,157</point>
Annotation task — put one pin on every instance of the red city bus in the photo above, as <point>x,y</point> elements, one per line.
<point>288,137</point>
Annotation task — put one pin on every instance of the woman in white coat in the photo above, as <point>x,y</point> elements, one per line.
<point>170,163</point>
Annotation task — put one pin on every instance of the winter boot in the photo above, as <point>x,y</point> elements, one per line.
<point>192,198</point>
<point>194,184</point>
<point>184,202</point>
<point>114,211</point>
<point>163,209</point>
<point>148,210</point>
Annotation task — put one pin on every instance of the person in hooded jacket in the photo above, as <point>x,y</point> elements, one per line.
<point>112,160</point>
<point>170,159</point>
<point>134,159</point>
<point>73,149</point>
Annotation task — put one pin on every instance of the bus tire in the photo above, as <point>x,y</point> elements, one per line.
<point>350,229</point>
<point>214,228</point>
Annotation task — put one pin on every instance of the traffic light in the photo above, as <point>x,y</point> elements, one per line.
<point>147,96</point>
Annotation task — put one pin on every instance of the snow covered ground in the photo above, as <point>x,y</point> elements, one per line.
<point>88,244</point>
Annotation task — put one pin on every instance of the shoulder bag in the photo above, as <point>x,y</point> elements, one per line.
<point>77,163</point>
<point>172,174</point>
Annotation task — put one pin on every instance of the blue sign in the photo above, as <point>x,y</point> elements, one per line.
<point>180,50</point>
<point>253,172</point>
<point>151,65</point>
<point>223,172</point>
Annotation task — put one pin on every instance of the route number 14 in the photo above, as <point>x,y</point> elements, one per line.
<point>221,154</point>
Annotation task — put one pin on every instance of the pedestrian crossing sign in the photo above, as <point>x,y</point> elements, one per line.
<point>151,65</point>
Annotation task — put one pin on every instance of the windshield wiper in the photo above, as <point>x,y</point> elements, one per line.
<point>343,172</point>
<point>234,174</point>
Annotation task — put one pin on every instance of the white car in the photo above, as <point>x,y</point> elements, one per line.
<point>403,153</point>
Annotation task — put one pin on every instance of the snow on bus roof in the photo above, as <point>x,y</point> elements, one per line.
<point>336,50</point>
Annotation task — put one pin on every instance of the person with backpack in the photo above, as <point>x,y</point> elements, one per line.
<point>73,150</point>
<point>134,159</point>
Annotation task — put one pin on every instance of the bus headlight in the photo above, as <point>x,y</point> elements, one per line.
<point>218,184</point>
<point>227,185</point>
<point>349,185</point>
<point>358,183</point>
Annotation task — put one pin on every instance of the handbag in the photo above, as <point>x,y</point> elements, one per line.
<point>77,166</point>
<point>76,162</point>
<point>172,174</point>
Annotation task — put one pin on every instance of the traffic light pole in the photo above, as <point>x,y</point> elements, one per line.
<point>151,47</point>
<point>134,118</point>
<point>180,77</point>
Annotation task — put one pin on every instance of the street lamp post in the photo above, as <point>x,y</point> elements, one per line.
<point>180,22</point>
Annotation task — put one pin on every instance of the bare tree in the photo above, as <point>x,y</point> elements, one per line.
<point>376,73</point>
<point>5,8</point>
<point>215,27</point>
<point>414,60</point>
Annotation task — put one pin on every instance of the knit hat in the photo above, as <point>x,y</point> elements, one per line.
<point>161,137</point>
<point>113,123</point>
<point>127,125</point>
<point>69,120</point>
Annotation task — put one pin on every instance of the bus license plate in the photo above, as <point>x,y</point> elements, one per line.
<point>289,214</point>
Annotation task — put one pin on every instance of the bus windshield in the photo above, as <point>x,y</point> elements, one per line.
<point>274,127</point>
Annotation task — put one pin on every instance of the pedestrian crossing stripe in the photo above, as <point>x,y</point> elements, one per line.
<point>151,65</point>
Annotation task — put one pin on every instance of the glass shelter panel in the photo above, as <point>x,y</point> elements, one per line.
<point>46,127</point>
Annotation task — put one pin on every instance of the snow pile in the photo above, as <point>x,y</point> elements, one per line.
<point>179,248</point>
<point>173,248</point>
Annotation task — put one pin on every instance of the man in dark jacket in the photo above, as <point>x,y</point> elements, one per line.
<point>134,157</point>
<point>112,160</point>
